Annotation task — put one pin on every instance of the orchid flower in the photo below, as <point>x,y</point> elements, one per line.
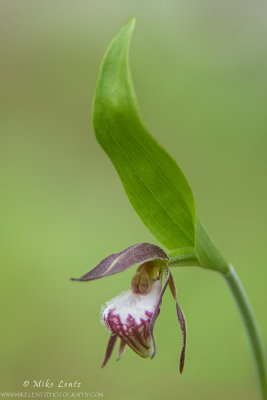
<point>131,316</point>
<point>163,199</point>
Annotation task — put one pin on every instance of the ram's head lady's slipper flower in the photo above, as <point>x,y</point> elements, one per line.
<point>131,315</point>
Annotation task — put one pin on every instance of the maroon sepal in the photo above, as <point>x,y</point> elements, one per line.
<point>181,320</point>
<point>109,350</point>
<point>118,262</point>
<point>157,309</point>
<point>121,349</point>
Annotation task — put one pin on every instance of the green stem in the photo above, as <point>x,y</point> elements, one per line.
<point>251,326</point>
<point>206,255</point>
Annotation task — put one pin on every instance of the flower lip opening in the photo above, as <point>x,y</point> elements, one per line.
<point>146,274</point>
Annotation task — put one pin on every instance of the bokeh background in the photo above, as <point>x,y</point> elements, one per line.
<point>199,70</point>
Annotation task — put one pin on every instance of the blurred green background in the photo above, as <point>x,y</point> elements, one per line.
<point>199,70</point>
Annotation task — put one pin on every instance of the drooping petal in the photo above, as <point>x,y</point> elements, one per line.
<point>118,262</point>
<point>129,315</point>
<point>181,320</point>
<point>121,349</point>
<point>157,309</point>
<point>109,350</point>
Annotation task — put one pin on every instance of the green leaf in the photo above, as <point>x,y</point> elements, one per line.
<point>207,253</point>
<point>153,182</point>
<point>182,257</point>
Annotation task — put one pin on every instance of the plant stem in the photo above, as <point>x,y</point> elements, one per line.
<point>252,329</point>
